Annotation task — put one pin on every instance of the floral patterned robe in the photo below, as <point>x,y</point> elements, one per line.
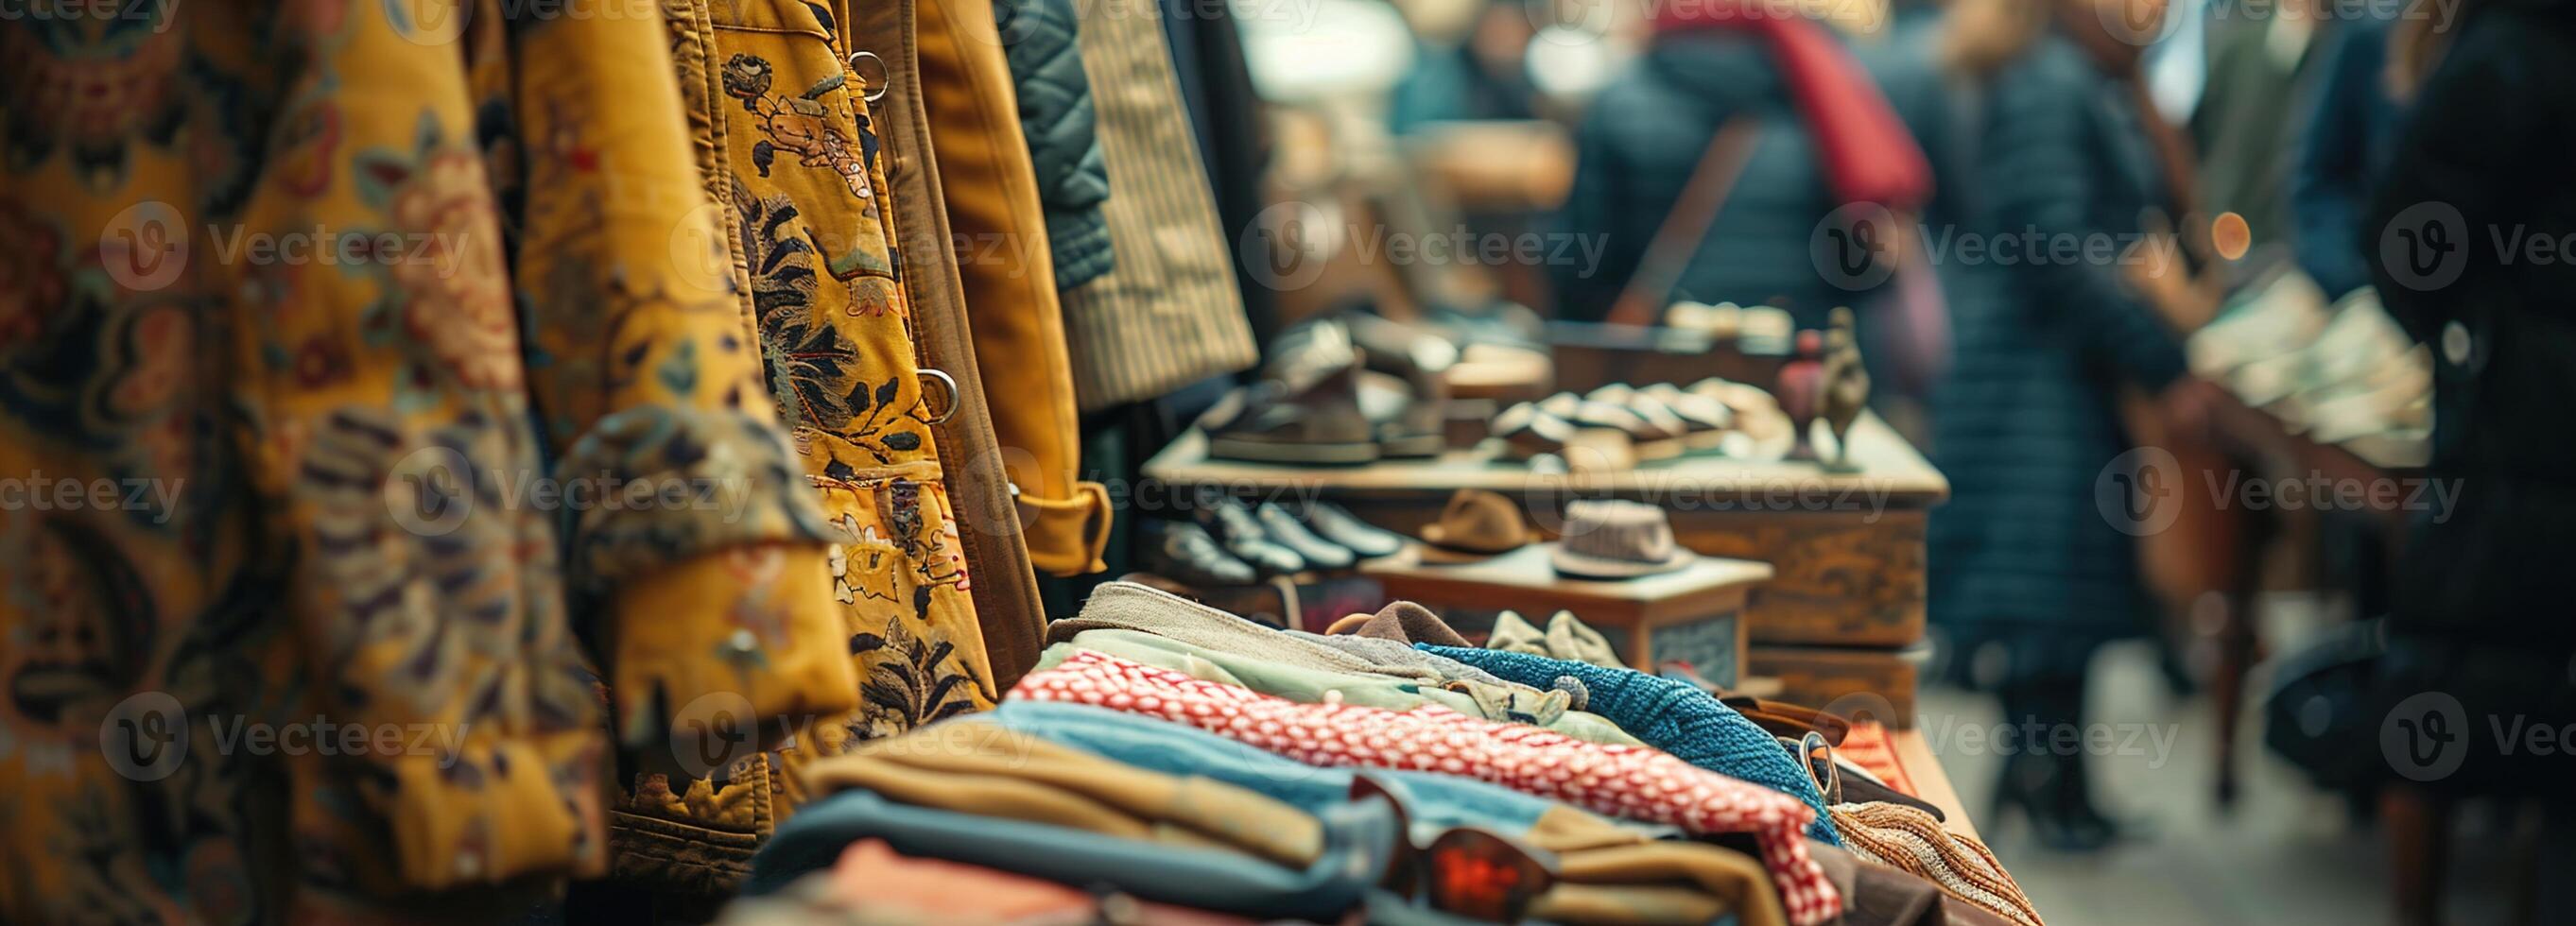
<point>787,145</point>
<point>334,340</point>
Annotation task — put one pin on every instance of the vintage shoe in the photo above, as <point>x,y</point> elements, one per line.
<point>1706,420</point>
<point>1331,522</point>
<point>1183,550</point>
<point>1242,536</point>
<point>1762,430</point>
<point>1306,408</point>
<point>1284,530</point>
<point>1665,432</point>
<point>1419,363</point>
<point>1650,442</point>
<point>1395,417</point>
<point>1528,433</point>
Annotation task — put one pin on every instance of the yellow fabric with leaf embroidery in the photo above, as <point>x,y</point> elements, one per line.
<point>790,154</point>
<point>412,333</point>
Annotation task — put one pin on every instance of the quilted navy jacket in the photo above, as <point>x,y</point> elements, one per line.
<point>1039,37</point>
<point>2026,425</point>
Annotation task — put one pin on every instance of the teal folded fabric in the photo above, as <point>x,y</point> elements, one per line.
<point>1359,840</point>
<point>1670,716</point>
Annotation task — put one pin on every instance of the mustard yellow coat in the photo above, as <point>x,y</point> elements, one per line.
<point>359,360</point>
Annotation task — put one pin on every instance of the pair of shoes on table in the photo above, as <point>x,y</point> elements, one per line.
<point>1339,391</point>
<point>1659,422</point>
<point>1230,543</point>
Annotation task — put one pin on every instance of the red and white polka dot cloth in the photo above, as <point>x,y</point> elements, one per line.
<point>1628,781</point>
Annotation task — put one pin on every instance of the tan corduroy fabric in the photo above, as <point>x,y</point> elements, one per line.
<point>1168,314</point>
<point>974,767</point>
<point>1910,840</point>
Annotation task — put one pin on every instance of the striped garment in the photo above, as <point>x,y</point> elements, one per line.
<point>1167,314</point>
<point>1910,841</point>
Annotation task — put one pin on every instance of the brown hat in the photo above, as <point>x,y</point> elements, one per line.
<point>1476,525</point>
<point>1617,540</point>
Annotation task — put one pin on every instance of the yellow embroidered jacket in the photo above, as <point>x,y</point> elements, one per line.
<point>359,360</point>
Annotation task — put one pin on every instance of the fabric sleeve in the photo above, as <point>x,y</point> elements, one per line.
<point>688,524</point>
<point>2329,176</point>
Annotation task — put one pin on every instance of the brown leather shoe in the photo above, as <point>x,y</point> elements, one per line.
<point>1421,361</point>
<point>1306,409</point>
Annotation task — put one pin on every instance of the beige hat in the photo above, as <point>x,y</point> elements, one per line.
<point>1477,525</point>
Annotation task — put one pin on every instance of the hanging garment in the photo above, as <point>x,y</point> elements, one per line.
<point>1169,313</point>
<point>383,317</point>
<point>1626,781</point>
<point>795,165</point>
<point>1007,603</point>
<point>1009,277</point>
<point>1043,41</point>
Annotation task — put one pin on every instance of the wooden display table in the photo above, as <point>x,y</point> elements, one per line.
<point>1846,549</point>
<point>1693,613</point>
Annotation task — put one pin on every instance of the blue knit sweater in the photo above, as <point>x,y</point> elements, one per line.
<point>1670,716</point>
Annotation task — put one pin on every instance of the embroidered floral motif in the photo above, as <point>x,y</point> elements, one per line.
<point>915,680</point>
<point>117,90</point>
<point>453,289</point>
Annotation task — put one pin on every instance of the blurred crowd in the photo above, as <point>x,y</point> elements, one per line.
<point>2033,205</point>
